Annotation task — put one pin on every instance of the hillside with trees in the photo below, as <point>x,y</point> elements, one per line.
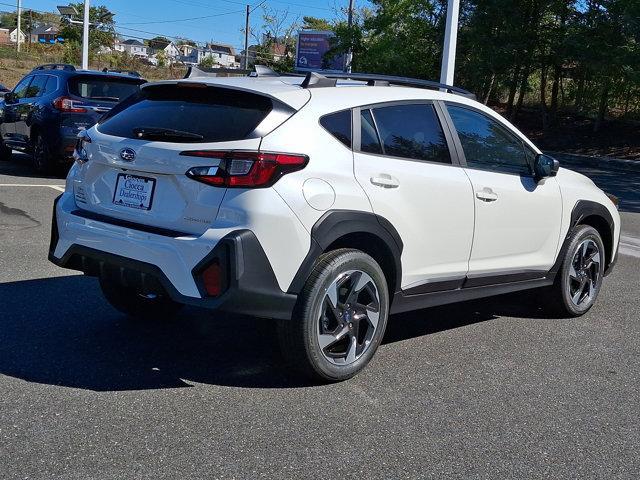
<point>560,69</point>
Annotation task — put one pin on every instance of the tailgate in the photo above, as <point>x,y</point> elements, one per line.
<point>134,170</point>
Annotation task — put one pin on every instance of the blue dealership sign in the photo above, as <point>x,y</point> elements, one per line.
<point>311,49</point>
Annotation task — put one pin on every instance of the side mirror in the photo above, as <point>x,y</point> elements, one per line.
<point>10,97</point>
<point>545,166</point>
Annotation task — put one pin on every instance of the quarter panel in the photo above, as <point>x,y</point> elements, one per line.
<point>284,239</point>
<point>329,161</point>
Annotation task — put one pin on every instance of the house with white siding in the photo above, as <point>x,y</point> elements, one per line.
<point>171,54</point>
<point>221,54</point>
<point>133,47</point>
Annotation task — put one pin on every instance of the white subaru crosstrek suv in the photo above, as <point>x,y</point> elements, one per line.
<point>325,204</point>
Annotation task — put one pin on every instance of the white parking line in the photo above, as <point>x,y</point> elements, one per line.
<point>59,188</point>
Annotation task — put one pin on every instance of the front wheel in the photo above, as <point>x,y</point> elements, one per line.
<point>5,152</point>
<point>580,278</point>
<point>137,304</point>
<point>340,317</point>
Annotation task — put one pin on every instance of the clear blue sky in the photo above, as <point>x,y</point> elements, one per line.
<point>166,16</point>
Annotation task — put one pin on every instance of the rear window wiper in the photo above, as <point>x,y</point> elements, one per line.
<point>157,132</point>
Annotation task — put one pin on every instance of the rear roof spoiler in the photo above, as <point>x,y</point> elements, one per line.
<point>259,71</point>
<point>132,73</point>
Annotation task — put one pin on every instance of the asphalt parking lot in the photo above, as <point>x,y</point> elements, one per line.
<point>489,389</point>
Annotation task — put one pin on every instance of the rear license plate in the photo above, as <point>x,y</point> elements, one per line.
<point>133,191</point>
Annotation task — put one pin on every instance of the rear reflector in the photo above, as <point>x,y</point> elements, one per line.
<point>244,169</point>
<point>212,279</point>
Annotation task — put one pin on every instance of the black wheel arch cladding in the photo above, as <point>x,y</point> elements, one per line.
<point>596,215</point>
<point>354,229</point>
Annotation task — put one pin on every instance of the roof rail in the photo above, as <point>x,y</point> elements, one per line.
<point>55,66</point>
<point>317,80</point>
<point>133,73</point>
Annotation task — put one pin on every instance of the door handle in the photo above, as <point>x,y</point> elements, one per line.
<point>385,180</point>
<point>487,195</point>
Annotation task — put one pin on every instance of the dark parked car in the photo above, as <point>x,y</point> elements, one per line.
<point>45,112</point>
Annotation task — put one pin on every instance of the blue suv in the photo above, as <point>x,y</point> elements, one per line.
<point>47,109</point>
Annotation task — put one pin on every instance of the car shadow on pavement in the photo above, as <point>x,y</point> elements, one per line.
<point>21,165</point>
<point>60,331</point>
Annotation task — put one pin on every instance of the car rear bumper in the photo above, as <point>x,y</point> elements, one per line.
<point>67,138</point>
<point>153,260</point>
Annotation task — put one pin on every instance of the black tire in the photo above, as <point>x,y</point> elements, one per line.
<point>135,305</point>
<point>578,276</point>
<point>43,160</point>
<point>342,271</point>
<point>5,153</point>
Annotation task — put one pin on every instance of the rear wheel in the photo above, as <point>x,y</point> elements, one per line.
<point>340,317</point>
<point>43,160</point>
<point>137,304</point>
<point>580,278</point>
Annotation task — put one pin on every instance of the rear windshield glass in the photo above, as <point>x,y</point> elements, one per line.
<point>184,114</point>
<point>103,88</point>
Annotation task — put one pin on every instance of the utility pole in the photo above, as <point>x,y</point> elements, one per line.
<point>85,37</point>
<point>350,23</point>
<point>30,26</point>
<point>246,39</point>
<point>447,70</point>
<point>19,30</point>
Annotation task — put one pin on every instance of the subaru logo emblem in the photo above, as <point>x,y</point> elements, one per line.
<point>127,154</point>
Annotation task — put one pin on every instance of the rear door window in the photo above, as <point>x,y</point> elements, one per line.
<point>51,85</point>
<point>103,88</point>
<point>412,131</point>
<point>184,114</point>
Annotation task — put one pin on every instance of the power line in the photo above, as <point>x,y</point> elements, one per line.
<point>209,5</point>
<point>118,28</point>
<point>183,19</point>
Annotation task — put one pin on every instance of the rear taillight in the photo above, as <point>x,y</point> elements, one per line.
<point>80,152</point>
<point>69,105</point>
<point>244,169</point>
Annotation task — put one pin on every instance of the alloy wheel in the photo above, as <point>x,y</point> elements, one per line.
<point>584,273</point>
<point>348,317</point>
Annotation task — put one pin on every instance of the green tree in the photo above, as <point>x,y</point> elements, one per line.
<point>314,23</point>
<point>186,41</point>
<point>158,43</point>
<point>101,34</point>
<point>207,62</point>
<point>275,40</point>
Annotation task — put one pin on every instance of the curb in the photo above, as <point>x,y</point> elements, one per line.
<point>605,163</point>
